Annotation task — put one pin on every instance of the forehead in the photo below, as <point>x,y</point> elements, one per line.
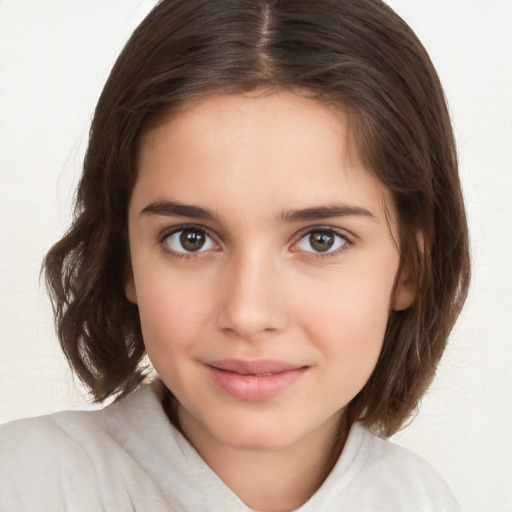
<point>280,150</point>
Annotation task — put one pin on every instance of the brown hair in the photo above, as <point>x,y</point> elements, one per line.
<point>357,54</point>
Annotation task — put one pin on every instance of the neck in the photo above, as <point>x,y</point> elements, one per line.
<point>272,480</point>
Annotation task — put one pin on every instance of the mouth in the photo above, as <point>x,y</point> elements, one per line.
<point>254,381</point>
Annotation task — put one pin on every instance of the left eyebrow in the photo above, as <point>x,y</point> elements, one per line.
<point>177,209</point>
<point>325,212</point>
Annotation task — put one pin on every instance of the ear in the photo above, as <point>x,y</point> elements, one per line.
<point>405,291</point>
<point>406,288</point>
<point>129,287</point>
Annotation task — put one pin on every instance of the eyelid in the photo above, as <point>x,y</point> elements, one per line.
<point>348,237</point>
<point>338,231</point>
<point>169,231</point>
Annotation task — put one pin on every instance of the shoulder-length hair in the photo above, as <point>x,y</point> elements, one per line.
<point>355,54</point>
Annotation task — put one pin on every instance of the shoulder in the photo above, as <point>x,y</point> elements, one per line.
<point>72,457</point>
<point>78,433</point>
<point>398,476</point>
<point>46,438</point>
<point>34,452</point>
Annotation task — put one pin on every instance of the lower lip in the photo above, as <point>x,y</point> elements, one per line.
<point>254,388</point>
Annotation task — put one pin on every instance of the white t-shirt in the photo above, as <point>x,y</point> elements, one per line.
<point>129,457</point>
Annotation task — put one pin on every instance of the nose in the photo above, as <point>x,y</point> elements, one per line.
<point>251,305</point>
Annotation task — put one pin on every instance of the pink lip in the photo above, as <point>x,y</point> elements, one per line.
<point>256,380</point>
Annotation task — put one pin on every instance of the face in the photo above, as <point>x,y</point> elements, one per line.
<point>263,266</point>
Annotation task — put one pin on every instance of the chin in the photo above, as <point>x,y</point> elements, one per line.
<point>263,431</point>
<point>259,439</point>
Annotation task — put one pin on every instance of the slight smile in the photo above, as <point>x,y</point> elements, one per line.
<point>254,380</point>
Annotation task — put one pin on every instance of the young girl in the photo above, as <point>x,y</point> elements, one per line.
<point>270,209</point>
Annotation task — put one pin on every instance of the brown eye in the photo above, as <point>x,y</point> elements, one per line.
<point>192,240</point>
<point>322,241</point>
<point>187,240</point>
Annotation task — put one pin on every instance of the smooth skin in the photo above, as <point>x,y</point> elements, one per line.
<point>256,234</point>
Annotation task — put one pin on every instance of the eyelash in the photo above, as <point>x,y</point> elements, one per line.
<point>347,241</point>
<point>184,227</point>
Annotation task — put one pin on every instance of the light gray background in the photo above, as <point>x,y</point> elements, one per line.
<point>54,58</point>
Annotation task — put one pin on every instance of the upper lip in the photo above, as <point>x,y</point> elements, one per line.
<point>253,367</point>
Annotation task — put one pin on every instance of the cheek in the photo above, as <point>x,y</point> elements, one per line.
<point>171,315</point>
<point>354,321</point>
<point>355,301</point>
<point>347,318</point>
<point>350,340</point>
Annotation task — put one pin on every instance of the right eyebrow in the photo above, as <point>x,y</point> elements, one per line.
<point>176,209</point>
<point>326,212</point>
